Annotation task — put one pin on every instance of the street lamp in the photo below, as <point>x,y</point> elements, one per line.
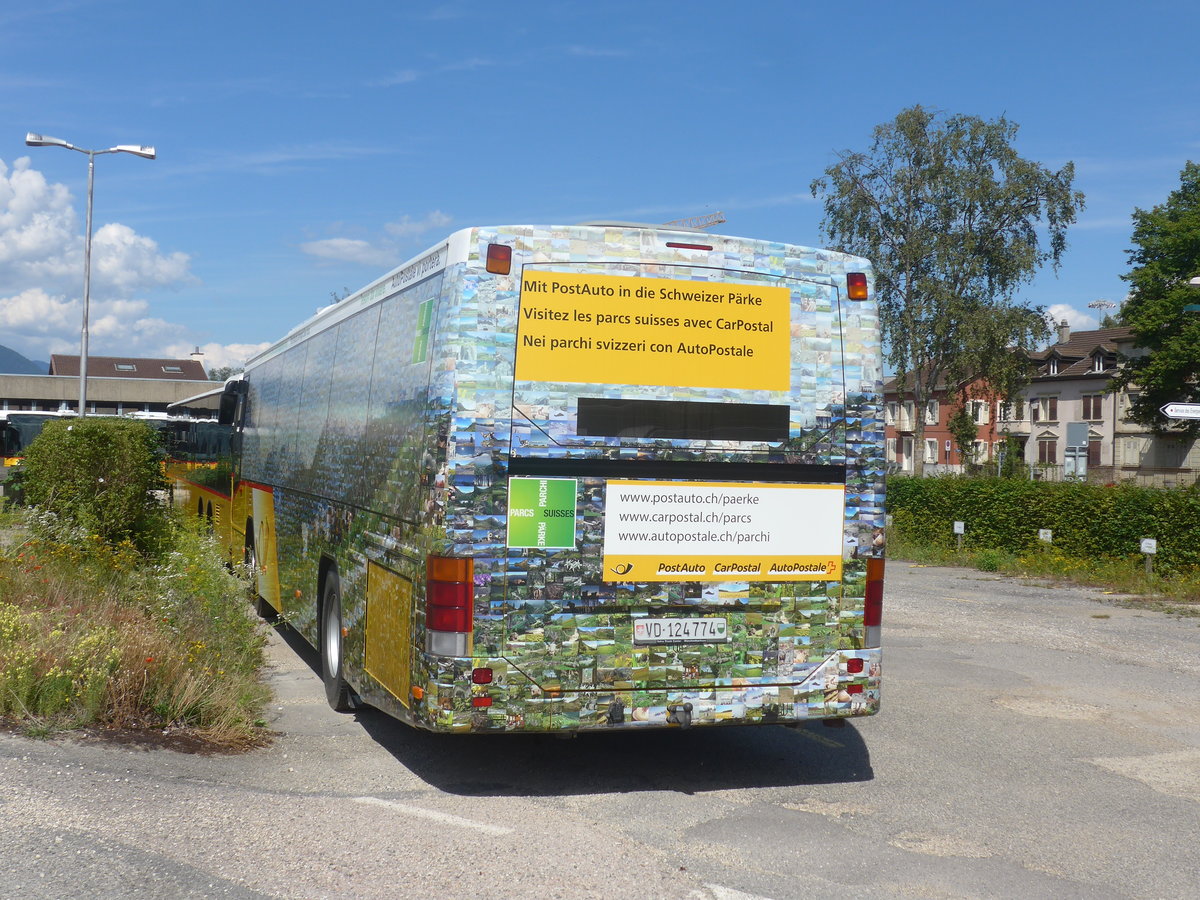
<point>44,140</point>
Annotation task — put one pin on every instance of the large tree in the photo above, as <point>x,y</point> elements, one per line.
<point>1165,258</point>
<point>950,216</point>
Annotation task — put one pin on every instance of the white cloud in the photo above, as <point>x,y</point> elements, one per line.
<point>390,249</point>
<point>125,261</point>
<point>349,250</point>
<point>406,227</point>
<point>1079,321</point>
<point>215,355</point>
<point>41,270</point>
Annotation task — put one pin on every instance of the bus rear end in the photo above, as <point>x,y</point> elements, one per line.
<point>664,485</point>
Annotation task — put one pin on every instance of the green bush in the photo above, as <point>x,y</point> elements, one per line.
<point>102,475</point>
<point>1089,521</point>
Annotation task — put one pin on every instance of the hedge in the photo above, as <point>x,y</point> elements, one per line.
<point>103,475</point>
<point>1087,520</point>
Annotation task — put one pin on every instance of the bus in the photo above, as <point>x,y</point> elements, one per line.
<point>574,478</point>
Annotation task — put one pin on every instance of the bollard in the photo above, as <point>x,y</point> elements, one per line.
<point>1149,548</point>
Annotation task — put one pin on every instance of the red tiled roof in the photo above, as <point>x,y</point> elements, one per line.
<point>130,367</point>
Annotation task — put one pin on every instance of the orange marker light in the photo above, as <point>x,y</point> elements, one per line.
<point>499,259</point>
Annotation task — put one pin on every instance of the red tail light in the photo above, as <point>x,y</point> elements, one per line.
<point>873,612</point>
<point>449,607</point>
<point>856,285</point>
<point>873,608</point>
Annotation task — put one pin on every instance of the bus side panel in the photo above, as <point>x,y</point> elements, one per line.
<point>388,656</point>
<point>262,511</point>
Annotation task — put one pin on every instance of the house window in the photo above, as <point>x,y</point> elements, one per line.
<point>1048,450</point>
<point>1044,409</point>
<point>979,412</point>
<point>1098,363</point>
<point>930,451</point>
<point>1052,367</point>
<point>126,367</point>
<point>979,451</point>
<point>931,412</point>
<point>1093,452</point>
<point>1012,411</point>
<point>890,412</point>
<point>173,370</point>
<point>1093,406</point>
<point>1127,401</point>
<point>890,451</point>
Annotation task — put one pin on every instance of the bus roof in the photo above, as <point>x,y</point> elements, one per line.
<point>456,248</point>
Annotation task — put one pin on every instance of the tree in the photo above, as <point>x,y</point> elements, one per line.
<point>1166,255</point>
<point>103,475</point>
<point>220,373</point>
<point>948,213</point>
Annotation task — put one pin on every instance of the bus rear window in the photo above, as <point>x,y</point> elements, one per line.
<point>683,420</point>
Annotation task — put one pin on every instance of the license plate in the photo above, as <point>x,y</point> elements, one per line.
<point>680,631</point>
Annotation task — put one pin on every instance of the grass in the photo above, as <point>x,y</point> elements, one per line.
<point>1177,593</point>
<point>99,636</point>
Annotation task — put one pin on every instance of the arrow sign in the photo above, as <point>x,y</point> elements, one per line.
<point>1181,410</point>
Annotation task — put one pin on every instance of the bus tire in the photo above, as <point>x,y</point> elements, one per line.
<point>264,609</point>
<point>337,692</point>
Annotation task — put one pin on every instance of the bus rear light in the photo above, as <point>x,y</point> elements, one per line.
<point>856,285</point>
<point>854,689</point>
<point>449,607</point>
<point>499,259</point>
<point>873,606</point>
<point>854,665</point>
<point>481,676</point>
<point>481,701</point>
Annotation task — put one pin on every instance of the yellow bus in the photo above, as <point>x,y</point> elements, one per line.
<point>573,478</point>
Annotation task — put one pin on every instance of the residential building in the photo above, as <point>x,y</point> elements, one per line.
<point>1070,387</point>
<point>938,447</point>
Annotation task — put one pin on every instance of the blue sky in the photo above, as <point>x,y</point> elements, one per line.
<point>305,148</point>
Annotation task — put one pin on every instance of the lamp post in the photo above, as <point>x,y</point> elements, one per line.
<point>43,140</point>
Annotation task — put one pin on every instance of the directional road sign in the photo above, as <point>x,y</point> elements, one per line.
<point>1181,410</point>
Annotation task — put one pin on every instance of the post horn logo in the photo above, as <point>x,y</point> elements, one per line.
<point>622,569</point>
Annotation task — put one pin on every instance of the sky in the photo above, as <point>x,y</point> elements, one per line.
<point>306,148</point>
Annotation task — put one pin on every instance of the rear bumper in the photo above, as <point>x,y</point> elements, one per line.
<point>513,703</point>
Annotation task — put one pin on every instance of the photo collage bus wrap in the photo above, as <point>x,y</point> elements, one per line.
<point>587,477</point>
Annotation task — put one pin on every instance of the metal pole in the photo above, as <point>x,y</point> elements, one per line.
<point>87,289</point>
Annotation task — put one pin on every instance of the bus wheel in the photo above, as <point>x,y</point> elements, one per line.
<point>337,692</point>
<point>264,609</point>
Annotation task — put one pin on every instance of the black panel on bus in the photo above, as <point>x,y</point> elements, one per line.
<point>683,420</point>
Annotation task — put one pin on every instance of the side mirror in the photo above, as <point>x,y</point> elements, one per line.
<point>232,407</point>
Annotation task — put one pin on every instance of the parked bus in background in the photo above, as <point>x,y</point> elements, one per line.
<point>575,478</point>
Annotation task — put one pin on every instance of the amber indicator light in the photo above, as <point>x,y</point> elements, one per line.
<point>499,259</point>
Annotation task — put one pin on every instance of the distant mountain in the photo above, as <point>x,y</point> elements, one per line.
<point>13,363</point>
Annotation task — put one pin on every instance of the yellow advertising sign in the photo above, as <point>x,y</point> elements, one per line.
<point>619,329</point>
